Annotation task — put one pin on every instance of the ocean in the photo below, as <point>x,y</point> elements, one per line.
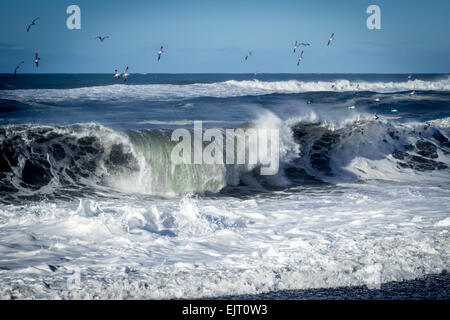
<point>93,207</point>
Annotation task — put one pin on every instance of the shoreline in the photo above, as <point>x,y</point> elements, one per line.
<point>430,287</point>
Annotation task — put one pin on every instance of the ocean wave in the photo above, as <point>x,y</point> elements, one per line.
<point>44,161</point>
<point>231,88</point>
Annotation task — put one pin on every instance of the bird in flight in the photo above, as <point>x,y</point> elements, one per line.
<point>117,74</point>
<point>32,24</point>
<point>300,58</point>
<point>305,44</point>
<point>248,55</point>
<point>125,74</point>
<point>331,39</point>
<point>16,68</point>
<point>101,38</point>
<point>295,46</point>
<point>36,60</point>
<point>160,52</point>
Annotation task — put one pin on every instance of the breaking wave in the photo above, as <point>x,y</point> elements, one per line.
<point>65,161</point>
<point>231,88</point>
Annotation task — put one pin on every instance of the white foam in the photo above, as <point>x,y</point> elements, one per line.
<point>441,123</point>
<point>443,223</point>
<point>190,248</point>
<point>231,88</point>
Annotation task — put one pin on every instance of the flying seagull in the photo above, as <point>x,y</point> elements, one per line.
<point>331,39</point>
<point>300,58</point>
<point>36,60</point>
<point>248,55</point>
<point>305,44</point>
<point>117,74</point>
<point>16,68</point>
<point>295,46</point>
<point>376,117</point>
<point>101,38</point>
<point>410,76</point>
<point>160,52</point>
<point>32,24</point>
<point>125,74</point>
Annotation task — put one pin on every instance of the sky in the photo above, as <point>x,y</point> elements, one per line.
<point>214,36</point>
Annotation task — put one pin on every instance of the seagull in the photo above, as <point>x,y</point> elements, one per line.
<point>394,110</point>
<point>295,46</point>
<point>413,93</point>
<point>352,107</point>
<point>376,116</point>
<point>117,74</point>
<point>410,76</point>
<point>331,39</point>
<point>160,52</point>
<point>101,38</point>
<point>17,67</point>
<point>32,24</point>
<point>125,74</point>
<point>310,101</point>
<point>248,55</point>
<point>305,44</point>
<point>36,60</point>
<point>300,58</point>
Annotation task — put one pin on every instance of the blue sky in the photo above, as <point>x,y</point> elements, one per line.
<point>213,36</point>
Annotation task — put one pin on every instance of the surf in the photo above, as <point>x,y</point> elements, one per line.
<point>69,161</point>
<point>225,89</point>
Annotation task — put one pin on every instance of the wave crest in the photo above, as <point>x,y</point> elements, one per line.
<point>38,161</point>
<point>231,88</point>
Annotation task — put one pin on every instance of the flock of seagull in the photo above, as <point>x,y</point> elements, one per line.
<point>125,75</point>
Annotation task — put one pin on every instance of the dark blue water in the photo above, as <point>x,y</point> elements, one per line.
<point>63,99</point>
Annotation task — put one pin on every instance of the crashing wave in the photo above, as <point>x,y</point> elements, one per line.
<point>46,161</point>
<point>231,88</point>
